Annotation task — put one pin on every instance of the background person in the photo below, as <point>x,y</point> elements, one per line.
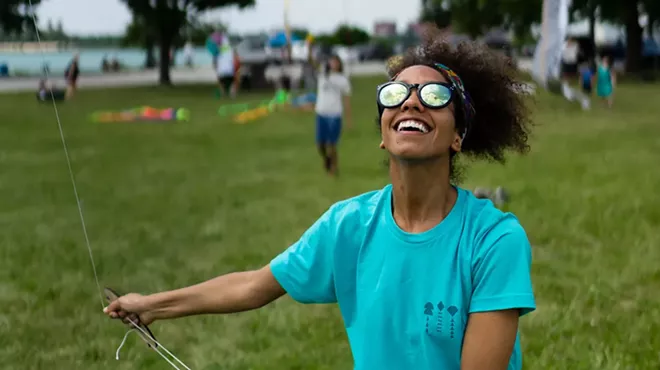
<point>71,75</point>
<point>333,109</point>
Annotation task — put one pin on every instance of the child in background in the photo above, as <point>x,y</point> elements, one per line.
<point>586,77</point>
<point>332,102</point>
<point>586,83</point>
<point>71,75</point>
<point>606,79</point>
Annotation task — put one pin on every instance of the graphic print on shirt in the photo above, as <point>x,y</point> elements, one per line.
<point>455,323</point>
<point>428,311</point>
<point>438,321</point>
<point>452,311</point>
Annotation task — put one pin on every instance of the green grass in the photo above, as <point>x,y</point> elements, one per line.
<point>170,205</point>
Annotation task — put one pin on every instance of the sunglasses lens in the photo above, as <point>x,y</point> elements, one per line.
<point>435,95</point>
<point>392,95</point>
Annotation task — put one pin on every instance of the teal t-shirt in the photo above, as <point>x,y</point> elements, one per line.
<point>405,298</point>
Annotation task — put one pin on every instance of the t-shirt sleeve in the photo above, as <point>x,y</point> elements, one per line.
<point>305,269</point>
<point>346,86</point>
<point>501,270</point>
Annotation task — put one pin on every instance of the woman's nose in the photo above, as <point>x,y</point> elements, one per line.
<point>412,102</point>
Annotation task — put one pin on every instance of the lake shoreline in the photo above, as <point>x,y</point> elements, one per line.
<point>179,76</point>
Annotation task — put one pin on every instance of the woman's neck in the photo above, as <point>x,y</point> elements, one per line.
<point>422,194</point>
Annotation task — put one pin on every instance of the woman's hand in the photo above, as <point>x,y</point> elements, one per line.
<point>131,306</point>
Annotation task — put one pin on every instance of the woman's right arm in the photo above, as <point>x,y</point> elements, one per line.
<point>234,292</point>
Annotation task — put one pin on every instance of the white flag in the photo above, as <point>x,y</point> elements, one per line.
<point>547,56</point>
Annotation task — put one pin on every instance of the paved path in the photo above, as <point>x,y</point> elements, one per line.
<point>145,78</point>
<point>179,76</point>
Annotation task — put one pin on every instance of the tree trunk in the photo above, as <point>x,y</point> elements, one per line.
<point>164,65</point>
<point>149,47</point>
<point>633,40</point>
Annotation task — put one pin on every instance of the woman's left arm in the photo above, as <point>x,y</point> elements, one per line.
<point>489,340</point>
<point>501,293</point>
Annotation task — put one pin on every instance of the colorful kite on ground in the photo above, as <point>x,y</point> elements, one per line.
<point>143,114</point>
<point>242,113</point>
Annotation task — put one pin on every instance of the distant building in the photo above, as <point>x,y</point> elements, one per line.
<point>384,29</point>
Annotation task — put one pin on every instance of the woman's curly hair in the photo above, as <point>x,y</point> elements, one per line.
<point>502,120</point>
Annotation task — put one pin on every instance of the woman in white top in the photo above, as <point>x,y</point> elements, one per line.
<point>332,103</point>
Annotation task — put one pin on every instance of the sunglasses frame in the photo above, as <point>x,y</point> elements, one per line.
<point>418,87</point>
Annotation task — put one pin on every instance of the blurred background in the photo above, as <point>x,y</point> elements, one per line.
<point>359,31</point>
<point>182,181</point>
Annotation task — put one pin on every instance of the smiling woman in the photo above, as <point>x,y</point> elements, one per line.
<point>426,275</point>
<point>491,114</point>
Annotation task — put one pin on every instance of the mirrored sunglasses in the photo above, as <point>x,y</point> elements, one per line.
<point>431,94</point>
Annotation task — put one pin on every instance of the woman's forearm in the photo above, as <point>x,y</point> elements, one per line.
<point>234,292</point>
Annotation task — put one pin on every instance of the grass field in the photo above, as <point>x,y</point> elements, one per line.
<point>170,205</point>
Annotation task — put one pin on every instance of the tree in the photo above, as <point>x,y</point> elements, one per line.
<point>585,9</point>
<point>437,12</point>
<point>60,28</point>
<point>139,34</point>
<point>197,32</point>
<point>627,14</point>
<point>634,32</point>
<point>326,39</point>
<point>476,17</point>
<point>166,18</point>
<point>520,15</point>
<point>299,33</point>
<point>16,16</point>
<point>349,35</point>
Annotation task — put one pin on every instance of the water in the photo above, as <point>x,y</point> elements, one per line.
<point>90,60</point>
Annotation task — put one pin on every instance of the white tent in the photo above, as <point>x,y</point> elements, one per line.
<point>604,33</point>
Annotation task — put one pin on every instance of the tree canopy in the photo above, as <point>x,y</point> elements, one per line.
<point>346,35</point>
<point>622,13</point>
<point>166,18</point>
<point>15,16</point>
<point>476,17</point>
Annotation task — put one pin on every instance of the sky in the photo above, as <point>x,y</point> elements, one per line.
<point>111,16</point>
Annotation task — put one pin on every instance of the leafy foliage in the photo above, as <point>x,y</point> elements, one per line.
<point>476,17</point>
<point>344,35</point>
<point>15,16</point>
<point>437,12</point>
<point>164,20</point>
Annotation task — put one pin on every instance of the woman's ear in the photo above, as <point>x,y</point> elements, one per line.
<point>457,143</point>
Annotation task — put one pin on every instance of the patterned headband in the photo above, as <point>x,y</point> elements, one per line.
<point>468,108</point>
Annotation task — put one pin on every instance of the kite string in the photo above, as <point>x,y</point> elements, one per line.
<point>153,344</point>
<point>158,346</point>
<point>66,155</point>
<point>79,205</point>
<point>122,343</point>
